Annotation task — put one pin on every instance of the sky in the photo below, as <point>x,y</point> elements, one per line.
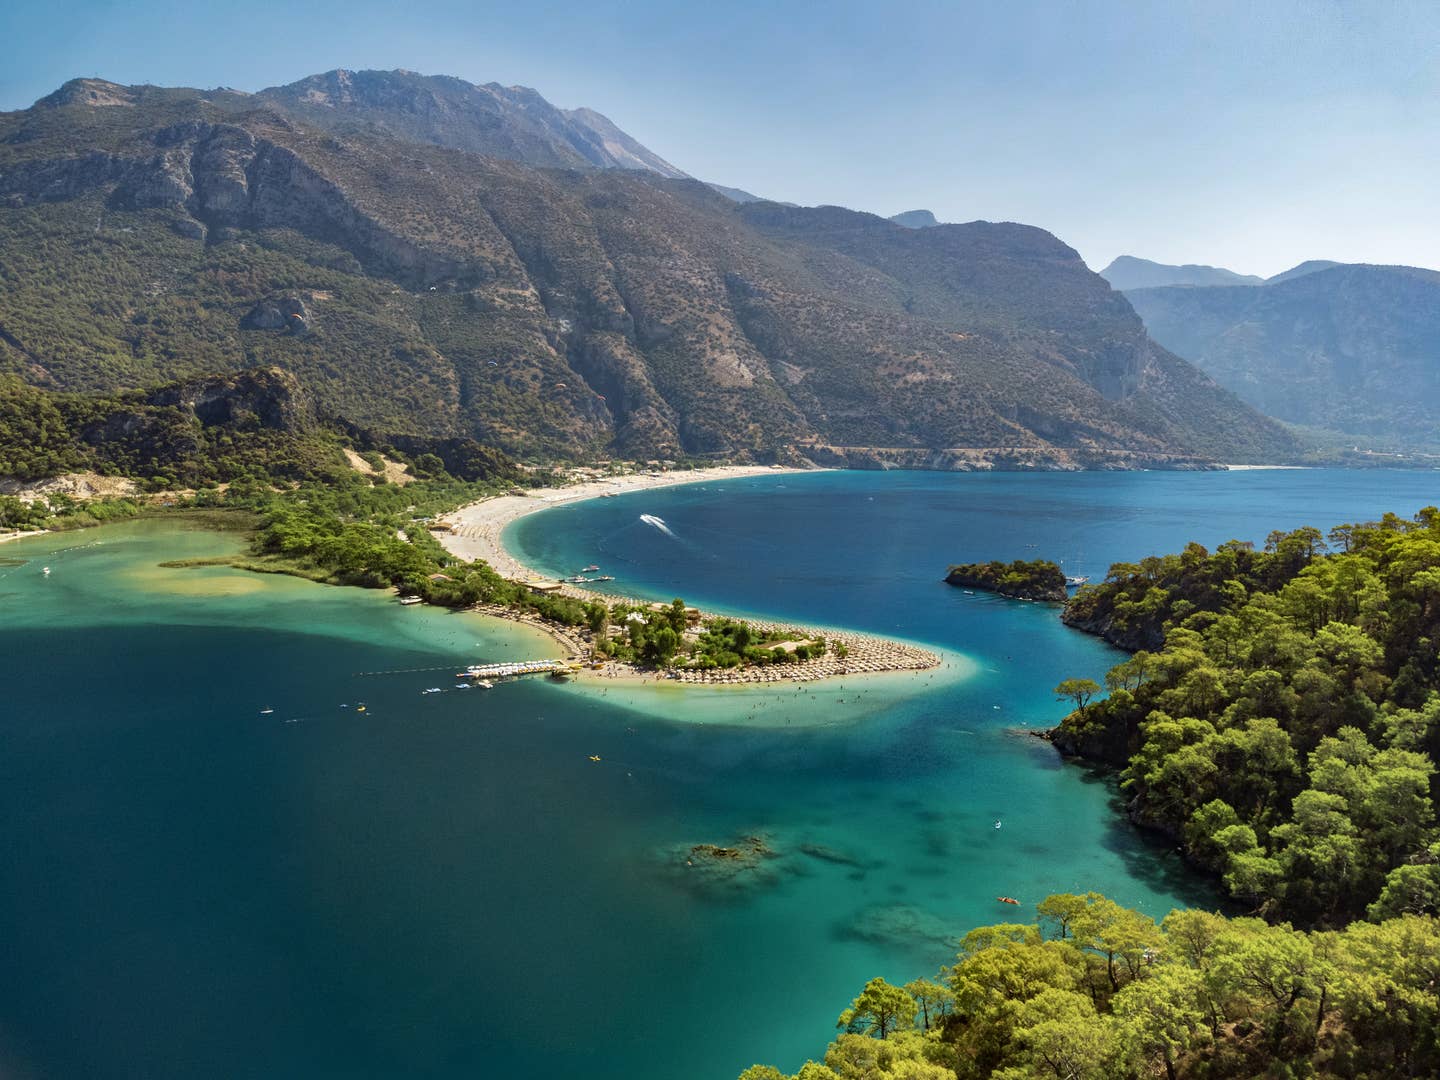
<point>1251,135</point>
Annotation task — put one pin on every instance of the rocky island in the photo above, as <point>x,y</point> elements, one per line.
<point>1037,580</point>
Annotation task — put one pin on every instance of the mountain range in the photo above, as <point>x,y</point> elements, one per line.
<point>431,257</point>
<point>1351,349</point>
<point>1126,273</point>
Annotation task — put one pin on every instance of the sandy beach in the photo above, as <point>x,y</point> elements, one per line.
<point>475,529</point>
<point>474,532</point>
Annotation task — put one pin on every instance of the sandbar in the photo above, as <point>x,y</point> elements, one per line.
<point>474,532</point>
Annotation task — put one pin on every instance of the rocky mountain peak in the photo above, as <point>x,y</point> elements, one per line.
<point>916,219</point>
<point>512,122</point>
<point>88,92</point>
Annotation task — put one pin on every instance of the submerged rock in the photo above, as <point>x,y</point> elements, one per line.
<point>726,871</point>
<point>901,925</point>
<point>831,855</point>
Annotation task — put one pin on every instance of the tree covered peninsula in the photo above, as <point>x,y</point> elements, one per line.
<point>1279,719</point>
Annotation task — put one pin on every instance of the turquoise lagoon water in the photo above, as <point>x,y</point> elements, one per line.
<point>446,885</point>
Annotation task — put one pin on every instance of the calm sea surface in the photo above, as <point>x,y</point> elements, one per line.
<point>444,884</point>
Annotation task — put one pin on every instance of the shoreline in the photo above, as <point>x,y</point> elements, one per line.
<point>22,535</point>
<point>475,529</point>
<point>474,532</point>
<point>1266,468</point>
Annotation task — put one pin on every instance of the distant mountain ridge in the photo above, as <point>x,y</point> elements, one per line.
<point>915,219</point>
<point>740,195</point>
<point>1309,266</point>
<point>429,257</point>
<point>1350,348</point>
<point>1128,272</point>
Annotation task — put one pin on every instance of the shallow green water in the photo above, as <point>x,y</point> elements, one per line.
<point>446,885</point>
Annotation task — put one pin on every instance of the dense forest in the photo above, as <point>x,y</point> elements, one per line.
<point>1094,991</point>
<point>1279,719</point>
<point>1283,725</point>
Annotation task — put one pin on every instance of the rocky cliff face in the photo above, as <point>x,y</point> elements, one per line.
<point>449,295</point>
<point>265,397</point>
<point>166,422</point>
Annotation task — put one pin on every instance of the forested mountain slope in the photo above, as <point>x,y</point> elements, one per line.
<point>151,234</point>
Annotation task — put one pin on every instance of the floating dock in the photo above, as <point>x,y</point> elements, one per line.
<point>514,668</point>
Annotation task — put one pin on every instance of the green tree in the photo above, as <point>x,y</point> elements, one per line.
<point>935,1001</point>
<point>1163,1017</point>
<point>1080,691</point>
<point>879,1010</point>
<point>1060,1034</point>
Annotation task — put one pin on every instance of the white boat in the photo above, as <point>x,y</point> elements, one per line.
<point>485,684</point>
<point>408,600</point>
<point>45,571</point>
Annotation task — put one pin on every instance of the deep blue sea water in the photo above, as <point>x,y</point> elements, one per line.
<point>446,885</point>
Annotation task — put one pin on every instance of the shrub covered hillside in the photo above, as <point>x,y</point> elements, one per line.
<point>254,423</point>
<point>1094,991</point>
<point>258,424</point>
<point>1283,725</point>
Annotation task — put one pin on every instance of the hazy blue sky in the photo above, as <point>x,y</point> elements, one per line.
<point>1248,134</point>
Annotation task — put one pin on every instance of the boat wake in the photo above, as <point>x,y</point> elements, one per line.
<point>659,523</point>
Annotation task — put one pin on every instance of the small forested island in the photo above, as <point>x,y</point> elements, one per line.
<point>1037,580</point>
<point>1279,721</point>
